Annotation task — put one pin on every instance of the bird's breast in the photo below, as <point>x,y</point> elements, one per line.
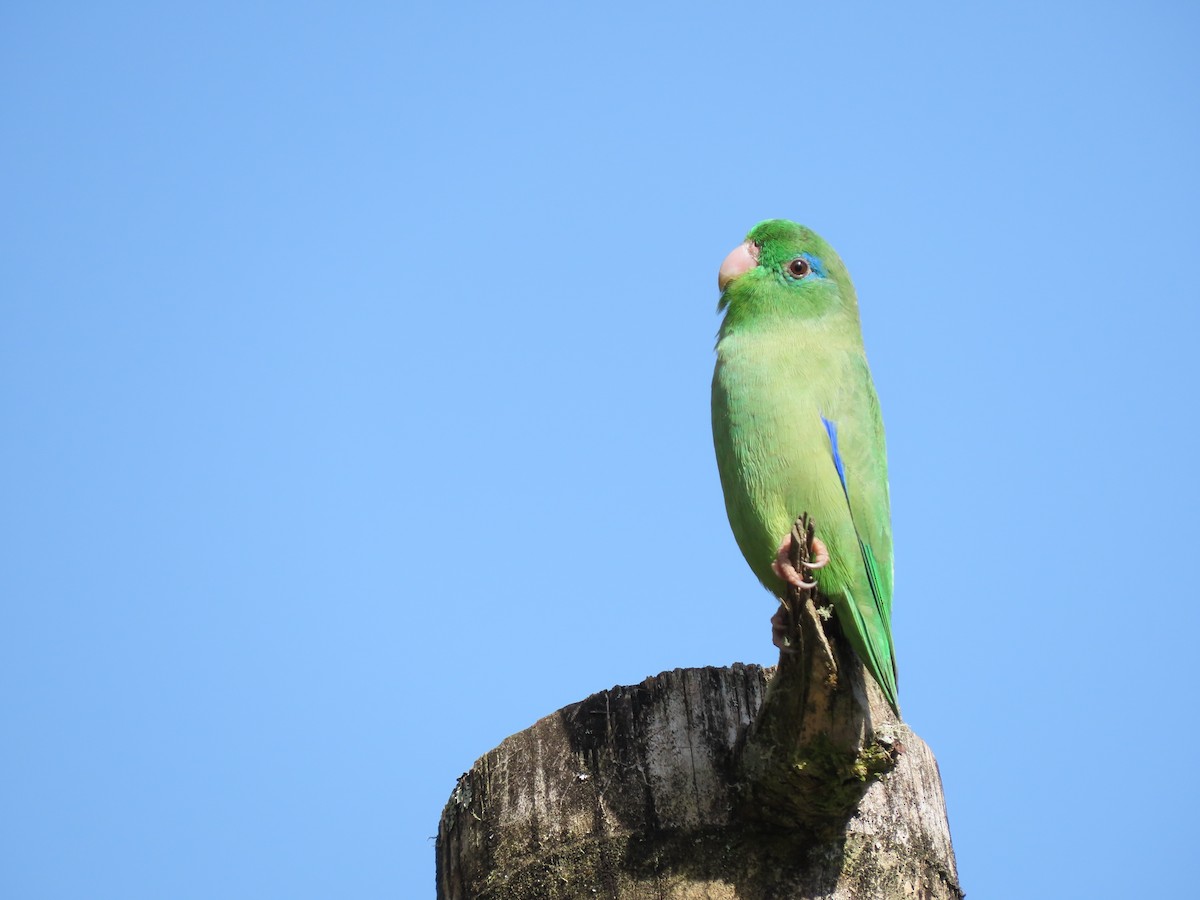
<point>769,399</point>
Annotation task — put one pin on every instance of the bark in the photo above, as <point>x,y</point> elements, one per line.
<point>743,782</point>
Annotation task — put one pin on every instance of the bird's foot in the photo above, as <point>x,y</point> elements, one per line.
<point>785,570</point>
<point>779,631</point>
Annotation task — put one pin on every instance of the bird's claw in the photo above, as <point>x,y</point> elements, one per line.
<point>785,570</point>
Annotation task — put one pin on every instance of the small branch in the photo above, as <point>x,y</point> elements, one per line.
<point>799,556</point>
<point>819,740</point>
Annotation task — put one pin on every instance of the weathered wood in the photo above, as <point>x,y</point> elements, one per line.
<point>642,792</point>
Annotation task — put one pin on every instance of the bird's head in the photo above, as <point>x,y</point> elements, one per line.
<point>784,270</point>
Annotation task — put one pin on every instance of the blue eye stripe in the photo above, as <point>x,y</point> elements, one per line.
<point>818,267</point>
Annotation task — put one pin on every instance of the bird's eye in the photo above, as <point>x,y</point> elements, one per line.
<point>799,267</point>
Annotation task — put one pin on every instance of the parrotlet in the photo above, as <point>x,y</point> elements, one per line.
<point>797,428</point>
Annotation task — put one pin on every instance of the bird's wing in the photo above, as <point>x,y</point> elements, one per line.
<point>871,608</point>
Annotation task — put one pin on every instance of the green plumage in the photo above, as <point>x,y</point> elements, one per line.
<point>789,359</point>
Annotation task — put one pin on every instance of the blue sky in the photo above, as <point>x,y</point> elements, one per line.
<point>354,372</point>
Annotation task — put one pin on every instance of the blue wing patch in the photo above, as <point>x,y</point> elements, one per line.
<point>831,430</point>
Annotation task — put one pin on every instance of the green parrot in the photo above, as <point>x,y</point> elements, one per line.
<point>797,428</point>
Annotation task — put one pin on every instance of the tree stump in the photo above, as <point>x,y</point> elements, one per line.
<point>743,782</point>
<point>635,793</point>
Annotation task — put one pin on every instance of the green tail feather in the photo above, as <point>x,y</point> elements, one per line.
<point>885,672</point>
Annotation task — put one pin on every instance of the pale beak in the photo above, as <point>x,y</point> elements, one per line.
<point>743,258</point>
